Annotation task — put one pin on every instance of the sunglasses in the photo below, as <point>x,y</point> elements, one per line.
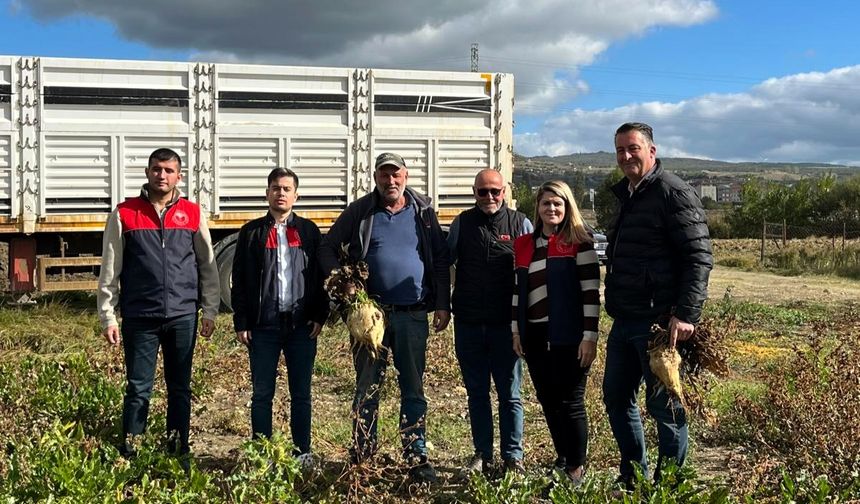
<point>484,191</point>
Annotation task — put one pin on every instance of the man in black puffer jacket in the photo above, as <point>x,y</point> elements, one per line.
<point>659,260</point>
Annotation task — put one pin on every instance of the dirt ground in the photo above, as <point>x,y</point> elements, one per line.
<point>776,289</point>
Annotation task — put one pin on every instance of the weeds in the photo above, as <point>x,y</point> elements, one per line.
<point>809,415</point>
<point>785,421</point>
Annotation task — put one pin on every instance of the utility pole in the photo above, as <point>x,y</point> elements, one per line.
<point>475,57</point>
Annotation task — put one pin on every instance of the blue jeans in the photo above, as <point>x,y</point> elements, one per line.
<point>485,351</point>
<point>299,351</point>
<point>626,368</point>
<point>141,338</point>
<point>406,336</point>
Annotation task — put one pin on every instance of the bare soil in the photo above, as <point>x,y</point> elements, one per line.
<point>776,289</point>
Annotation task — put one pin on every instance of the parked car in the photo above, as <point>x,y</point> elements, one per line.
<point>600,245</point>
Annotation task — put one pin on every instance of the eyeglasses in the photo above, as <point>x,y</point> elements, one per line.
<point>484,191</point>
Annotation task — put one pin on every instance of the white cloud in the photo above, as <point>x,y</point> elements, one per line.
<point>809,117</point>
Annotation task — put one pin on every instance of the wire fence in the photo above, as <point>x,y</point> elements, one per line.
<point>830,248</point>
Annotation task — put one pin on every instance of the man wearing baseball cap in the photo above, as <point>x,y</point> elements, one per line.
<point>395,231</point>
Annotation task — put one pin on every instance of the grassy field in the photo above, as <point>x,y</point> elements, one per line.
<point>783,427</point>
<point>823,256</point>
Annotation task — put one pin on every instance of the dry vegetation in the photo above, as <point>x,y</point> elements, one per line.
<point>783,423</point>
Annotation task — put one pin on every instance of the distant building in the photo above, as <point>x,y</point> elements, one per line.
<point>706,191</point>
<point>729,193</point>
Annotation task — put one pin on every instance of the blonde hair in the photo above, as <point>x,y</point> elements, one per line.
<point>572,228</point>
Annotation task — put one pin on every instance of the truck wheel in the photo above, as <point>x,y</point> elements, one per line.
<point>224,253</point>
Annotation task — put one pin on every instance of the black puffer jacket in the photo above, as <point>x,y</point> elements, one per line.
<point>659,255</point>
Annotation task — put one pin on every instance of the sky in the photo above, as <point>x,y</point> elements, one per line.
<point>733,80</point>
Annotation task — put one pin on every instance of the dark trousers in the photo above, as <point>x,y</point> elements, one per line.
<point>141,338</point>
<point>559,382</point>
<point>484,351</point>
<point>299,351</point>
<point>406,337</point>
<point>626,368</point>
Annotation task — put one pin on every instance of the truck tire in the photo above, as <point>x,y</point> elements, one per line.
<point>225,250</point>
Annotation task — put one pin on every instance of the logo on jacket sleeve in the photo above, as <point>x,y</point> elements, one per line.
<point>180,218</point>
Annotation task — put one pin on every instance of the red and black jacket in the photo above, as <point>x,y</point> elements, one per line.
<point>159,266</point>
<point>254,293</point>
<point>563,289</point>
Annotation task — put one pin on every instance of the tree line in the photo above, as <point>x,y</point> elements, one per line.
<point>823,205</point>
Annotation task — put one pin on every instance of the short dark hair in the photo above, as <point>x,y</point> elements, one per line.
<point>163,154</point>
<point>279,172</point>
<point>643,128</point>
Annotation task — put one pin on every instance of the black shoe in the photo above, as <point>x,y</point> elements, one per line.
<point>477,464</point>
<point>185,462</point>
<point>423,473</point>
<point>128,446</point>
<point>623,485</point>
<point>126,450</point>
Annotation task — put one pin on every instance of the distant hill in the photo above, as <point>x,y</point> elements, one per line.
<point>606,160</point>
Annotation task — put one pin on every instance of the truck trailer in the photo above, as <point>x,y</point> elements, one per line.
<point>75,136</point>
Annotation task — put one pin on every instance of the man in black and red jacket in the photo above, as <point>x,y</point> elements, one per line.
<point>279,306</point>
<point>157,248</point>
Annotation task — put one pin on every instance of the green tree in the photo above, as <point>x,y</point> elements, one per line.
<point>605,202</point>
<point>805,203</point>
<point>525,199</point>
<point>578,187</point>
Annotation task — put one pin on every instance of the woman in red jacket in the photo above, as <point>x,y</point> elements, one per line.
<point>556,308</point>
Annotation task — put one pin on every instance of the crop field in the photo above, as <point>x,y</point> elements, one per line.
<point>784,426</point>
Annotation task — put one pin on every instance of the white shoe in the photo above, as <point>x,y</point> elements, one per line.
<point>306,461</point>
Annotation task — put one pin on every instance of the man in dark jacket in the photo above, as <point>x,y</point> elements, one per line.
<point>481,244</point>
<point>279,306</point>
<point>159,268</point>
<point>659,260</point>
<point>395,231</point>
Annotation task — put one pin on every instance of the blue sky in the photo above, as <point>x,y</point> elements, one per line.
<point>732,80</point>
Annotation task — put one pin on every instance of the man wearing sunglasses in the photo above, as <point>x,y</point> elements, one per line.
<point>481,244</point>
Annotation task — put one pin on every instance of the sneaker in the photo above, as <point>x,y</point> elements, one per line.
<point>477,464</point>
<point>515,466</point>
<point>306,462</point>
<point>423,473</point>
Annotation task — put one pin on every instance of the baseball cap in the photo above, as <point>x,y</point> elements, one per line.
<point>389,158</point>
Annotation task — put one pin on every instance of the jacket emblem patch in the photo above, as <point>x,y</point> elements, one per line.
<point>293,237</point>
<point>180,218</point>
<point>562,248</point>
